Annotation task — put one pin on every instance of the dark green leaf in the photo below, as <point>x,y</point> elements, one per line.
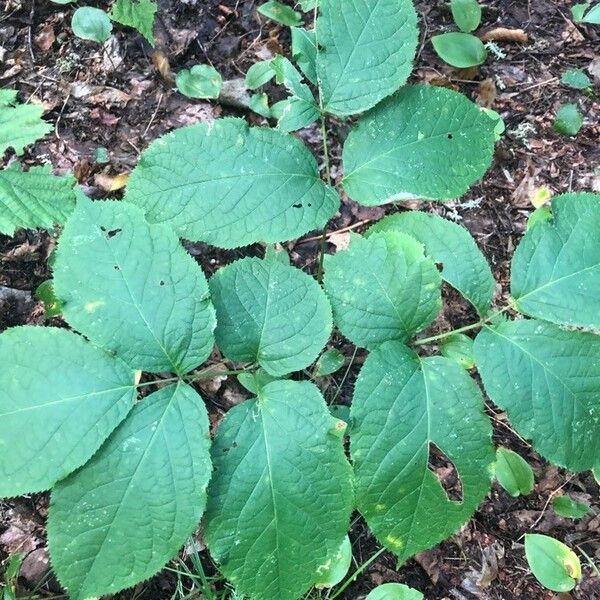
<point>461,50</point>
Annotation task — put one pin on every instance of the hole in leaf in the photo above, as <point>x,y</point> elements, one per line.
<point>450,136</point>
<point>297,205</point>
<point>445,471</point>
<point>116,267</point>
<point>111,234</point>
<point>439,266</point>
<point>102,228</point>
<point>161,282</point>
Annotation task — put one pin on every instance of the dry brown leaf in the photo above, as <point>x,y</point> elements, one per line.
<point>45,38</point>
<point>502,34</point>
<point>111,184</point>
<point>487,93</point>
<point>161,64</point>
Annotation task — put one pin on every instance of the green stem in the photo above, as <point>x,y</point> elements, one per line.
<point>205,374</point>
<point>356,573</point>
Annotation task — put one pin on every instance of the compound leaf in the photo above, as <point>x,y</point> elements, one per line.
<point>548,381</point>
<point>464,266</point>
<point>146,300</point>
<point>20,124</point>
<point>232,185</point>
<point>61,398</point>
<point>556,268</point>
<point>400,151</point>
<point>402,405</point>
<point>121,517</point>
<point>382,288</point>
<point>365,51</point>
<point>281,495</point>
<point>138,14</point>
<point>270,313</point>
<point>34,198</point>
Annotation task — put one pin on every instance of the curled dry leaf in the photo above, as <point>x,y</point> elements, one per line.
<point>502,34</point>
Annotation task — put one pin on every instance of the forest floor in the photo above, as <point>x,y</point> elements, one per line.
<point>121,98</point>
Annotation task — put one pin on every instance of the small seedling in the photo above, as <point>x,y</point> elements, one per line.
<point>280,13</point>
<point>569,120</point>
<point>514,473</point>
<point>201,81</point>
<point>553,564</point>
<point>565,506</point>
<point>394,591</point>
<point>138,14</point>
<point>576,79</point>
<point>89,23</point>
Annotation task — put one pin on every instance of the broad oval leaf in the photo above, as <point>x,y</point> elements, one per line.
<point>336,567</point>
<point>34,198</point>
<point>365,52</point>
<point>556,268</point>
<point>382,288</point>
<point>270,313</point>
<point>122,516</point>
<point>201,81</point>
<point>466,14</point>
<point>145,299</point>
<point>464,266</point>
<point>394,591</point>
<point>61,398</point>
<point>548,381</point>
<point>461,50</point>
<point>553,563</point>
<point>514,473</point>
<point>402,405</point>
<point>399,152</point>
<point>89,23</point>
<point>281,495</point>
<point>232,185</point>
<point>568,508</point>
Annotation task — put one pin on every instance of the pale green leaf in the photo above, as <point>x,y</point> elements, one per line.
<point>253,381</point>
<point>592,17</point>
<point>20,124</point>
<point>466,14</point>
<point>464,266</point>
<point>402,405</point>
<point>382,288</point>
<point>308,5</point>
<point>459,348</point>
<point>394,591</point>
<point>548,381</point>
<point>461,50</point>
<point>270,313</point>
<point>34,198</point>
<point>280,13</point>
<point>232,185</point>
<point>565,506</point>
<point>259,74</point>
<point>131,288</point>
<point>89,23</point>
<point>365,51</point>
<point>554,565</point>
<point>294,113</point>
<point>578,11</point>
<point>61,398</point>
<point>281,494</point>
<point>556,267</point>
<point>304,51</point>
<point>259,103</point>
<point>514,473</point>
<point>121,517</point>
<point>400,152</point>
<point>286,74</point>
<point>569,120</point>
<point>329,362</point>
<point>201,81</point>
<point>138,14</point>
<point>336,567</point>
<point>576,79</point>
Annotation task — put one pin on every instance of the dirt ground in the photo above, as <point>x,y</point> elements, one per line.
<point>121,98</point>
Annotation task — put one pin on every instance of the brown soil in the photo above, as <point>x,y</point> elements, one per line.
<point>124,98</point>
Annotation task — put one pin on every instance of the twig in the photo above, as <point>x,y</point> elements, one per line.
<point>153,115</point>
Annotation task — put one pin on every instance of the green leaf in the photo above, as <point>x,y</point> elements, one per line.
<point>565,506</point>
<point>382,288</point>
<point>569,120</point>
<point>20,124</point>
<point>270,313</point>
<point>329,362</point>
<point>61,398</point>
<point>308,5</point>
<point>394,591</point>
<point>576,79</point>
<point>90,23</point>
<point>138,14</point>
<point>402,405</point>
<point>514,473</point>
<point>281,495</point>
<point>556,267</point>
<point>287,74</point>
<point>201,81</point>
<point>45,293</point>
<point>366,51</point>
<point>336,567</point>
<point>460,50</point>
<point>548,381</point>
<point>593,16</point>
<point>280,13</point>
<point>259,103</point>
<point>553,564</point>
<point>254,381</point>
<point>145,300</point>
<point>463,265</point>
<point>466,14</point>
<point>578,11</point>
<point>34,199</point>
<point>122,516</point>
<point>459,348</point>
<point>259,74</point>
<point>294,113</point>
<point>399,152</point>
<point>232,185</point>
<point>304,51</point>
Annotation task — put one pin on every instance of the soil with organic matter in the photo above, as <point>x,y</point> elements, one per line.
<point>109,102</point>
